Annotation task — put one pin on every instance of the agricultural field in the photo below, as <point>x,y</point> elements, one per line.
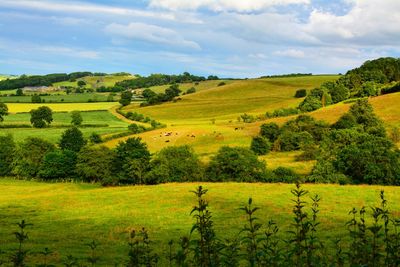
<point>200,86</point>
<point>26,107</point>
<point>107,124</point>
<point>93,82</point>
<point>60,97</point>
<point>65,217</point>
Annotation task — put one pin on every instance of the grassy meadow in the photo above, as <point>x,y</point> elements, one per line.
<point>67,216</point>
<point>109,124</point>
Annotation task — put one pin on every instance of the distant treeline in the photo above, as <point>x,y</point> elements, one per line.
<point>43,80</point>
<point>287,75</point>
<point>162,79</point>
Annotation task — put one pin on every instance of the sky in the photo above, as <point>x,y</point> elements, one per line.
<point>228,38</point>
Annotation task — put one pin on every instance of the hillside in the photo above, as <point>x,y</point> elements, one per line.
<point>93,82</point>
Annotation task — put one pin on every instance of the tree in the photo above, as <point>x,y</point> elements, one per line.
<point>7,149</point>
<point>29,156</point>
<point>175,164</point>
<point>58,164</point>
<point>36,99</point>
<point>300,93</point>
<point>339,93</point>
<point>76,118</point>
<point>72,139</point>
<point>368,89</point>
<point>310,103</point>
<point>134,128</point>
<point>81,83</point>
<point>260,145</point>
<point>94,164</point>
<point>191,90</point>
<point>19,92</point>
<point>3,111</point>
<point>236,164</point>
<point>270,131</point>
<point>132,161</point>
<point>41,117</point>
<point>126,98</point>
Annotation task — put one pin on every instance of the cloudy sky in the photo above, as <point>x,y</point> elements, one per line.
<point>230,38</point>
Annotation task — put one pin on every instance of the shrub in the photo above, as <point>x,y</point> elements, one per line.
<point>285,175</point>
<point>310,103</point>
<point>236,164</point>
<point>289,141</point>
<point>282,112</point>
<point>221,83</point>
<point>339,93</point>
<point>368,89</point>
<point>126,98</point>
<point>260,145</point>
<point>175,164</point>
<point>300,93</point>
<point>58,164</point>
<point>191,90</point>
<point>36,99</point>
<point>134,128</point>
<point>392,89</point>
<point>95,138</point>
<point>72,139</point>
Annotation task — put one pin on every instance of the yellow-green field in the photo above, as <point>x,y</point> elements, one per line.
<point>96,81</point>
<point>26,107</point>
<point>201,86</point>
<point>67,216</point>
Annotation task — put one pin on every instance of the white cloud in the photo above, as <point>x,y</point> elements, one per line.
<point>83,8</point>
<point>149,33</point>
<point>293,53</point>
<point>223,5</point>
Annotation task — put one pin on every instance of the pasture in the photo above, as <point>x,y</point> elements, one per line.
<point>60,97</point>
<point>53,133</point>
<point>65,217</point>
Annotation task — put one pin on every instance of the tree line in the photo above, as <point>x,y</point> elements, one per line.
<point>43,80</point>
<point>162,79</point>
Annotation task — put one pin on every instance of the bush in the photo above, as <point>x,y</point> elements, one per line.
<point>310,103</point>
<point>175,164</point>
<point>290,141</point>
<point>134,128</point>
<point>221,83</point>
<point>282,112</point>
<point>260,145</point>
<point>285,175</point>
<point>3,111</point>
<point>236,164</point>
<point>95,138</point>
<point>58,164</point>
<point>300,93</point>
<point>76,118</point>
<point>270,131</point>
<point>392,89</point>
<point>339,93</point>
<point>191,90</point>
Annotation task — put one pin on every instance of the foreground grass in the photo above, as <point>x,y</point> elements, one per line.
<point>66,216</point>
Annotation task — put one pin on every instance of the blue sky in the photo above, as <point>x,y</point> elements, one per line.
<point>229,38</point>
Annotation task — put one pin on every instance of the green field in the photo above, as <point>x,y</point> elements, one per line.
<point>53,134</point>
<point>96,81</point>
<point>66,216</point>
<point>59,97</point>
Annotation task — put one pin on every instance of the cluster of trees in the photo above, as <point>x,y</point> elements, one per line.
<point>287,75</point>
<point>41,80</point>
<point>162,79</point>
<point>129,163</point>
<point>152,98</point>
<point>365,81</point>
<point>355,149</point>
